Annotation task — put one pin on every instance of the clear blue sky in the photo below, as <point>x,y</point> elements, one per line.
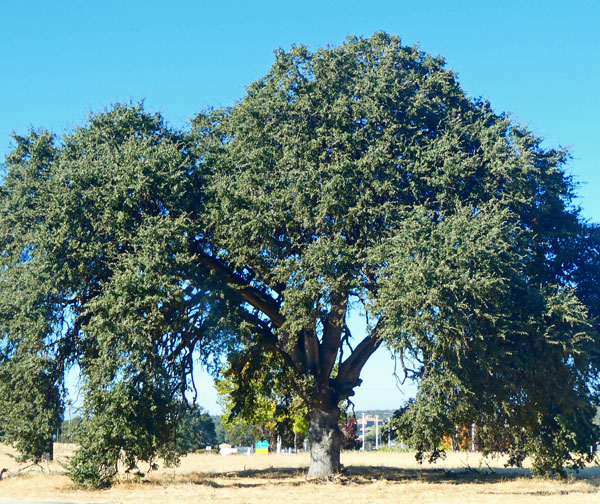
<point>539,60</point>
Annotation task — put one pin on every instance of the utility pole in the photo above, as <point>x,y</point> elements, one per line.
<point>377,432</point>
<point>363,432</point>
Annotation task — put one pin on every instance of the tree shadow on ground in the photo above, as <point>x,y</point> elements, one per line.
<point>251,478</point>
<point>366,475</point>
<point>460,475</point>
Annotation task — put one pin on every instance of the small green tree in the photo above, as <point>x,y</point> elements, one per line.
<point>196,431</point>
<point>219,429</point>
<point>241,433</point>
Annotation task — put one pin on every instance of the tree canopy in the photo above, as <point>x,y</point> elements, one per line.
<point>358,175</point>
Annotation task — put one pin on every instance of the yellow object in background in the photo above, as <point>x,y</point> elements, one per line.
<point>262,447</point>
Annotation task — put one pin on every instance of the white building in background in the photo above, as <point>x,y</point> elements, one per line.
<point>365,425</point>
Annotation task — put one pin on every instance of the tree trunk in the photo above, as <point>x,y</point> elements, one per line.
<point>325,439</point>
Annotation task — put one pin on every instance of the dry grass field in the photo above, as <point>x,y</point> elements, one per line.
<point>369,477</point>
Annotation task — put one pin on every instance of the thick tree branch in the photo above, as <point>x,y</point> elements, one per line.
<point>295,349</point>
<point>311,351</point>
<point>307,347</point>
<point>349,372</point>
<point>250,294</point>
<point>269,339</point>
<point>332,333</point>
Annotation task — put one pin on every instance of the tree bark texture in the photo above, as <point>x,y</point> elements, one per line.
<point>325,439</point>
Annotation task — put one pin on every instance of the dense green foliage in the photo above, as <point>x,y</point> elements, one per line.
<point>30,409</point>
<point>69,430</point>
<point>197,431</point>
<point>96,272</point>
<point>365,173</point>
<point>360,174</point>
<point>257,405</point>
<point>475,342</point>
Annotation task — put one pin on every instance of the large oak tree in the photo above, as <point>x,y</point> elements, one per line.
<point>355,175</point>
